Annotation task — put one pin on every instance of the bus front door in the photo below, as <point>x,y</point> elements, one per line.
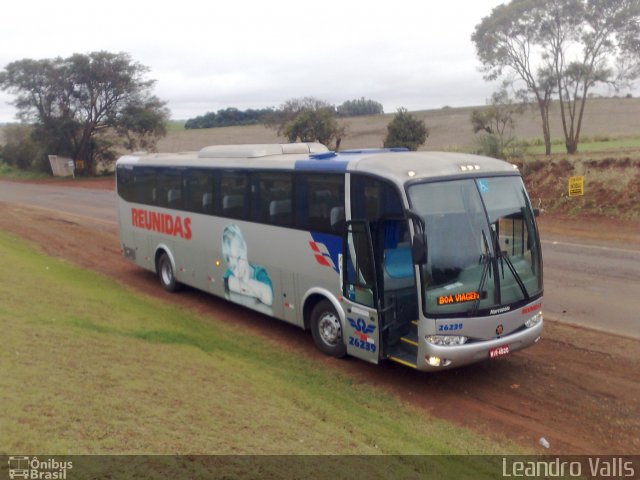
<point>360,293</point>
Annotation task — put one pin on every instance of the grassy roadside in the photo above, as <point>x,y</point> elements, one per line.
<point>598,143</point>
<point>90,368</point>
<point>7,171</point>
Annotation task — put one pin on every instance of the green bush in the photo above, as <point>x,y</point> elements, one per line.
<point>22,151</point>
<point>489,146</point>
<point>405,130</point>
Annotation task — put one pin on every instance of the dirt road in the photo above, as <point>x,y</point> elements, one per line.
<point>578,388</point>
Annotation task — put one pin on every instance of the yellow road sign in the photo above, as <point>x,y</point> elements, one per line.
<point>576,186</point>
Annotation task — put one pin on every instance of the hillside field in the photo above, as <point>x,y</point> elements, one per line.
<point>608,119</point>
<point>608,157</point>
<point>449,128</point>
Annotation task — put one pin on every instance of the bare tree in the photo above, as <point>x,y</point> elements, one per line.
<point>565,47</point>
<point>506,44</point>
<point>582,38</point>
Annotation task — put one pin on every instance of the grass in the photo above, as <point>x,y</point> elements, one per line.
<point>595,144</point>
<point>8,171</point>
<point>91,368</point>
<point>175,125</point>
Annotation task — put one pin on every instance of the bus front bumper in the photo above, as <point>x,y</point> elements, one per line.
<point>433,357</point>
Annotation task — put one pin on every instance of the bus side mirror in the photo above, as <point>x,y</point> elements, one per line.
<point>419,249</point>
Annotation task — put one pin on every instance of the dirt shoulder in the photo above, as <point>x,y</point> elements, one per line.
<point>99,183</point>
<point>577,388</point>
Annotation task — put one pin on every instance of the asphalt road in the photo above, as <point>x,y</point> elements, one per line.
<point>597,286</point>
<point>592,285</point>
<point>95,205</point>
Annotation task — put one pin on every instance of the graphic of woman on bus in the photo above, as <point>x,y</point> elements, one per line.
<point>241,276</point>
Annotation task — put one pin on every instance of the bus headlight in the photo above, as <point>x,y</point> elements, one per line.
<point>533,321</point>
<point>446,340</point>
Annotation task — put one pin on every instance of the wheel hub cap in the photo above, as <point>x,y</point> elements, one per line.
<point>330,330</point>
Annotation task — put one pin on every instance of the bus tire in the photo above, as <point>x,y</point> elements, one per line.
<point>327,330</point>
<point>166,274</point>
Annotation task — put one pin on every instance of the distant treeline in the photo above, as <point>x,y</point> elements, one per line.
<point>358,107</point>
<point>228,117</point>
<point>231,116</point>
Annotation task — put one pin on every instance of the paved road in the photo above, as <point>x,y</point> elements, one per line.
<point>596,286</point>
<point>592,285</point>
<point>97,205</point>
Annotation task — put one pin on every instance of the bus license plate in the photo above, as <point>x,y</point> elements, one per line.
<point>499,351</point>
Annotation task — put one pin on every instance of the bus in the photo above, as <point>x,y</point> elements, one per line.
<point>428,259</point>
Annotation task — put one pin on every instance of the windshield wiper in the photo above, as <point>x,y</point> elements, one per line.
<point>503,256</point>
<point>486,258</point>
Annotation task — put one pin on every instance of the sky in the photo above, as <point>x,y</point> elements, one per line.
<point>206,56</point>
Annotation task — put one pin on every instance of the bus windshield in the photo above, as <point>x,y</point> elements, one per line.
<point>483,249</point>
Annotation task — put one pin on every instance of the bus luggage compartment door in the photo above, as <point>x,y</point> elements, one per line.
<point>360,293</point>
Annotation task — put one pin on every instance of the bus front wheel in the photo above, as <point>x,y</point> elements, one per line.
<point>326,329</point>
<point>166,275</point>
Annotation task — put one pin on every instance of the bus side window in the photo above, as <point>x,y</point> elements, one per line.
<point>169,188</point>
<point>320,203</point>
<point>273,198</point>
<point>234,192</point>
<point>144,179</point>
<point>124,180</point>
<point>200,188</point>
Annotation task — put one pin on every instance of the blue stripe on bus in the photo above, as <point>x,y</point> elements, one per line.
<point>323,165</point>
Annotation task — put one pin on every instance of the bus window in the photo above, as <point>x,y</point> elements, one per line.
<point>144,179</point>
<point>234,195</point>
<point>200,191</point>
<point>320,206</point>
<point>169,188</point>
<point>124,177</point>
<point>359,272</point>
<point>273,198</point>
<point>373,199</point>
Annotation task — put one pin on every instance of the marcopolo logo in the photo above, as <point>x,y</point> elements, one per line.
<point>36,469</point>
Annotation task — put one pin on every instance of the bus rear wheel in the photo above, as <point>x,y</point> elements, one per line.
<point>326,329</point>
<point>166,275</point>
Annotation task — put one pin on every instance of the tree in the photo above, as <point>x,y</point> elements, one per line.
<point>142,122</point>
<point>505,40</point>
<point>598,31</point>
<point>308,119</point>
<point>314,126</point>
<point>360,106</point>
<point>565,47</point>
<point>405,131</point>
<point>497,121</point>
<point>292,108</point>
<point>78,104</point>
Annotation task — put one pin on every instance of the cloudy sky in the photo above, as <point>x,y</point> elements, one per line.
<point>253,54</point>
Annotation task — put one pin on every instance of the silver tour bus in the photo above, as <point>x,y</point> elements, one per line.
<point>431,260</point>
